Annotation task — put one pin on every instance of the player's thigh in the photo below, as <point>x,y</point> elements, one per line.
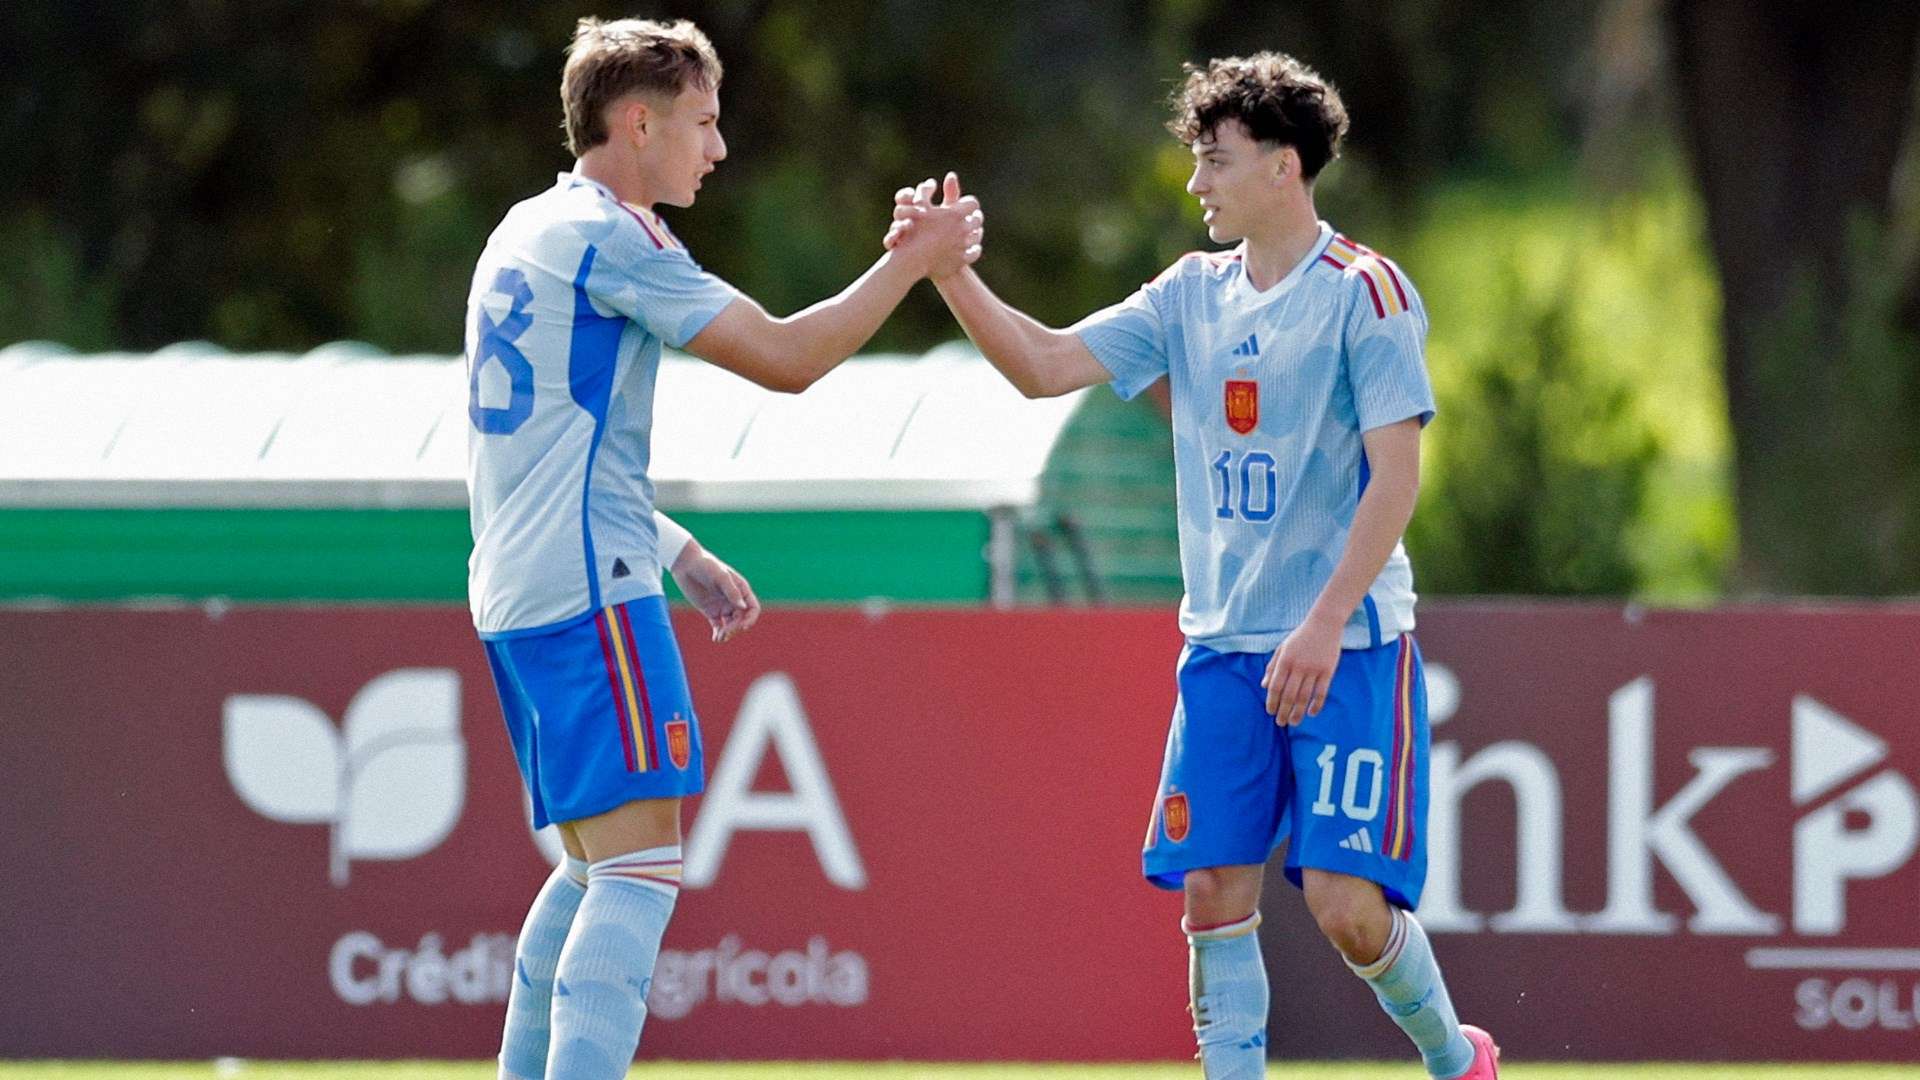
<point>1358,802</point>
<point>635,826</point>
<point>1219,799</point>
<point>1336,893</point>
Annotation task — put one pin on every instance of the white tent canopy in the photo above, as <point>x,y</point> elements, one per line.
<point>348,426</point>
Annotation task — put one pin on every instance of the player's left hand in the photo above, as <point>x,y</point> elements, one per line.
<point>717,589</point>
<point>911,206</point>
<point>1301,671</point>
<point>907,203</point>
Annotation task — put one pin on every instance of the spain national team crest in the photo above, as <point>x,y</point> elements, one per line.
<point>679,743</point>
<point>1243,405</point>
<point>1174,818</point>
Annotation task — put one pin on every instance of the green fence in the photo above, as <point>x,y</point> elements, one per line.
<point>339,555</point>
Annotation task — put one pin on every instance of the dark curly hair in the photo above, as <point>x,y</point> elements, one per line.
<point>1278,99</point>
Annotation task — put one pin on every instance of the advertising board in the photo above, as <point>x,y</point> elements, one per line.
<point>285,832</point>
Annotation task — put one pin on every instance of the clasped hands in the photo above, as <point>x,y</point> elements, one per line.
<point>947,234</point>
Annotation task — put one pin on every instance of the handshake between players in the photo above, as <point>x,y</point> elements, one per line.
<point>1294,365</point>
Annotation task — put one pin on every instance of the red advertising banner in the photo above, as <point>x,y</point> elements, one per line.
<point>298,833</point>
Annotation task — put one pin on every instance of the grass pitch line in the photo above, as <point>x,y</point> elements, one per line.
<point>236,1069</point>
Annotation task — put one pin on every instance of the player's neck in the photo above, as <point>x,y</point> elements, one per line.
<point>1278,245</point>
<point>613,174</point>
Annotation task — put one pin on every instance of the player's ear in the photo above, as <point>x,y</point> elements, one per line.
<point>1286,164</point>
<point>633,118</point>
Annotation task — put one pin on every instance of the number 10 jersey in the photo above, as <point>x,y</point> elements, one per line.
<point>570,304</point>
<point>1271,392</point>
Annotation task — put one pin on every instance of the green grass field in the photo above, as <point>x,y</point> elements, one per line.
<point>1352,1070</point>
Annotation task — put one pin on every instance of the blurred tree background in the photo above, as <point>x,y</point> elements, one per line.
<point>1572,185</point>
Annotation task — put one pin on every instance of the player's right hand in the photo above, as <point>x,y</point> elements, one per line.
<point>1301,671</point>
<point>946,235</point>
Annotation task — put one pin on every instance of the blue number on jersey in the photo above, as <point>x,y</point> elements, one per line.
<point>1223,468</point>
<point>496,342</point>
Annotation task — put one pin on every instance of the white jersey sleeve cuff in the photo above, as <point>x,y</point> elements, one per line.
<point>673,539</point>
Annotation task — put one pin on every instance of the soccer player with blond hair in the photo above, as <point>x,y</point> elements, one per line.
<point>1294,363</point>
<point>575,295</point>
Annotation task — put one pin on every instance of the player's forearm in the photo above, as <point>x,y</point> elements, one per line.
<point>1378,524</point>
<point>814,341</point>
<point>1021,347</point>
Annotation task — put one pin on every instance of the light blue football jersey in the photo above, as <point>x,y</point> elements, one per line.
<point>571,301</point>
<point>1271,391</point>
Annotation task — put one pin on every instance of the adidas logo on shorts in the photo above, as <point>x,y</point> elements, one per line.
<point>1361,840</point>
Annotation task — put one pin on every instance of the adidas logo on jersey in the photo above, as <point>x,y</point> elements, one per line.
<point>1359,841</point>
<point>620,568</point>
<point>1249,347</point>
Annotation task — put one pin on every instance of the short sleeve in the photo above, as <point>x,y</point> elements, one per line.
<point>1130,338</point>
<point>1386,354</point>
<point>659,287</point>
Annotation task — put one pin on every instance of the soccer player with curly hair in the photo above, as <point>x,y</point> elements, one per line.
<point>1295,366</point>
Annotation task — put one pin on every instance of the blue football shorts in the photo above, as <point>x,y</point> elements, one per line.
<point>1345,790</point>
<point>599,712</point>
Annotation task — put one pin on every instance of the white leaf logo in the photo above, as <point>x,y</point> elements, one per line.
<point>283,758</point>
<point>392,784</point>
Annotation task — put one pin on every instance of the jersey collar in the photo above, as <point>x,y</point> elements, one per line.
<point>571,179</point>
<point>1293,276</point>
<point>657,229</point>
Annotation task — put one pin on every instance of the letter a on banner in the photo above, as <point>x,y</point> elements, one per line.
<point>771,717</point>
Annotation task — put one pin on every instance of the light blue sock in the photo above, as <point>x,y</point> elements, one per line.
<point>523,1045</point>
<point>606,968</point>
<point>1407,980</point>
<point>1228,984</point>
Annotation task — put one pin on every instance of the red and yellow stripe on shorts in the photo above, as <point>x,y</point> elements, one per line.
<point>631,712</point>
<point>1398,841</point>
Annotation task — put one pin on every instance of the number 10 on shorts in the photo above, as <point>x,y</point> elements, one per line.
<point>1364,763</point>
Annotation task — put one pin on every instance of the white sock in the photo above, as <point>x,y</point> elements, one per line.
<point>523,1043</point>
<point>1407,980</point>
<point>606,967</point>
<point>1227,981</point>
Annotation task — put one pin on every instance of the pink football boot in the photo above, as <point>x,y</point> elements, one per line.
<point>1486,1055</point>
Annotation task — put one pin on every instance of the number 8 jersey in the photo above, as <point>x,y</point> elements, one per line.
<point>1271,392</point>
<point>570,304</point>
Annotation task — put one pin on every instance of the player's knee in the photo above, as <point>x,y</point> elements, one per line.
<point>1217,895</point>
<point>1202,889</point>
<point>1344,927</point>
<point>1354,918</point>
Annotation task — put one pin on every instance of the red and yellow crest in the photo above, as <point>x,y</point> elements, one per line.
<point>1174,817</point>
<point>679,743</point>
<point>1243,405</point>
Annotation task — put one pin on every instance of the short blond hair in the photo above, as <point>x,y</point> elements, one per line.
<point>609,60</point>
